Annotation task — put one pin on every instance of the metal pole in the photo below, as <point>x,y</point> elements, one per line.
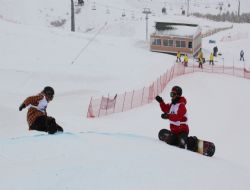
<point>187,7</point>
<point>100,108</point>
<point>72,16</point>
<point>146,11</point>
<point>244,69</point>
<point>90,104</point>
<point>142,95</point>
<point>223,64</point>
<point>123,101</point>
<point>239,8</point>
<point>147,27</point>
<point>132,99</point>
<point>107,105</point>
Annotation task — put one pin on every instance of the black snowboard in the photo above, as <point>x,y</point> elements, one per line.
<point>193,143</point>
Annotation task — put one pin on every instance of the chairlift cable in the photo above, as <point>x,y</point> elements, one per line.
<point>89,42</point>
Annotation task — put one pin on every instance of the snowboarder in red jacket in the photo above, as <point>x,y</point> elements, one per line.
<point>176,113</point>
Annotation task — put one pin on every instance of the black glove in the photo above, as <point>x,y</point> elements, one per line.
<point>164,116</point>
<point>158,99</point>
<point>21,107</point>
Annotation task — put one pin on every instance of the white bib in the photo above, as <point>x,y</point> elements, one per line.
<point>42,105</point>
<point>173,110</point>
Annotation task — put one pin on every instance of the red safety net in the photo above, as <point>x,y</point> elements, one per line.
<point>128,100</point>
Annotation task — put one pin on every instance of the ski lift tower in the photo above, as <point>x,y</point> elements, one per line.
<point>72,16</point>
<point>187,8</point>
<point>147,12</point>
<point>239,8</point>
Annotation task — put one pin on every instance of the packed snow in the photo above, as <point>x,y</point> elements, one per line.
<point>109,53</point>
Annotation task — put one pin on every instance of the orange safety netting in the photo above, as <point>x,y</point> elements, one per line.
<point>136,98</point>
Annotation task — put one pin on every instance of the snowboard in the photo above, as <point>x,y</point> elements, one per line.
<point>194,144</point>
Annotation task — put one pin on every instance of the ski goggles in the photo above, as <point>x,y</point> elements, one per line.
<point>50,95</point>
<point>173,94</point>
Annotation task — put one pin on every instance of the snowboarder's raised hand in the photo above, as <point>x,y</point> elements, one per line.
<point>164,116</point>
<point>158,99</point>
<point>21,107</point>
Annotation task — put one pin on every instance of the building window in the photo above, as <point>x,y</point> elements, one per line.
<point>156,42</point>
<point>165,42</point>
<point>183,44</point>
<point>169,43</point>
<point>180,44</point>
<point>190,44</point>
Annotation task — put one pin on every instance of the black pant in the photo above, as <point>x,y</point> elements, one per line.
<point>46,124</point>
<point>211,62</point>
<point>174,139</point>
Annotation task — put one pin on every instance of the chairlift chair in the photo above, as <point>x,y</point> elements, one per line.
<point>123,13</point>
<point>93,6</point>
<point>107,11</point>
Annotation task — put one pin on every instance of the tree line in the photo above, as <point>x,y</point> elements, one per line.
<point>231,17</point>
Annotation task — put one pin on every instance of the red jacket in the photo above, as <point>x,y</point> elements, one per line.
<point>177,115</point>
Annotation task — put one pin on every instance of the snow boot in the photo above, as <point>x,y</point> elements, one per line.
<point>163,134</point>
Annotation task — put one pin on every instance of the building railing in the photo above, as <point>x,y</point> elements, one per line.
<point>213,31</point>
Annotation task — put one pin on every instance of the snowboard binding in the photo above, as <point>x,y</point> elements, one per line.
<point>192,143</point>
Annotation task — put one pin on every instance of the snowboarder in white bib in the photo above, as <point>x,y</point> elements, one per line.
<point>37,117</point>
<point>176,113</point>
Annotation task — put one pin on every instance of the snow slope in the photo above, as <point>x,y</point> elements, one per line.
<point>109,54</point>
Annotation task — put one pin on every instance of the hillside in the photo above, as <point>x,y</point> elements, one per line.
<point>108,53</point>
